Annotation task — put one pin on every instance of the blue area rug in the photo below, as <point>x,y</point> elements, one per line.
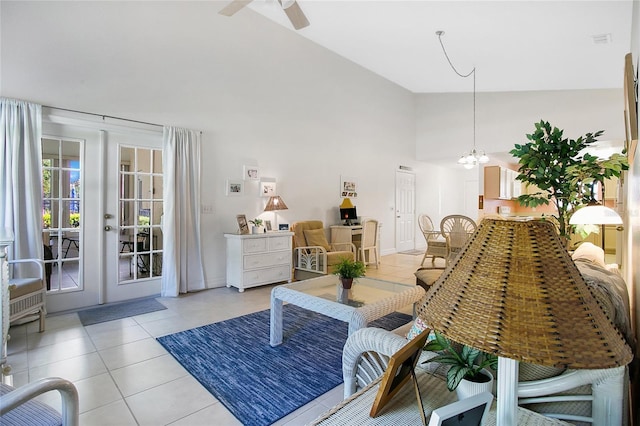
<point>260,384</point>
<point>119,310</point>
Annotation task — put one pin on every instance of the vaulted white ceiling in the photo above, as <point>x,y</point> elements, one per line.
<point>515,45</point>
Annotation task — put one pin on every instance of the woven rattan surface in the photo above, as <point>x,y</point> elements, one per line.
<point>403,408</point>
<point>368,300</point>
<point>515,292</point>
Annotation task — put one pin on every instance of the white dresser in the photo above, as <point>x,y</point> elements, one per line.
<point>258,259</point>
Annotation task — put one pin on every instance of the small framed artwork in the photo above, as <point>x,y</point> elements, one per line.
<point>251,172</point>
<point>267,187</point>
<point>399,371</point>
<point>470,411</point>
<point>234,187</point>
<point>267,224</point>
<point>243,227</point>
<point>283,227</point>
<point>348,187</point>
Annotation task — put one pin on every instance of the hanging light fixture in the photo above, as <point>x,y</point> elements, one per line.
<point>474,157</point>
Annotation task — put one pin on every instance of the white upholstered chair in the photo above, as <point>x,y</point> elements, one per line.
<point>368,245</point>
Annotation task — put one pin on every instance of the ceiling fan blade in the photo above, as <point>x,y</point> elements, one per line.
<point>233,7</point>
<point>296,16</point>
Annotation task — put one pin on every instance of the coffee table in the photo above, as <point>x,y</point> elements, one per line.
<point>368,300</point>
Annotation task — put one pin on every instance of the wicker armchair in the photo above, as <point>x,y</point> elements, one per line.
<point>456,229</point>
<point>313,255</point>
<point>27,290</point>
<point>436,243</point>
<point>18,406</point>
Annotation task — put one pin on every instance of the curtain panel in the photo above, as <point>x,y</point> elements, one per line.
<point>182,269</point>
<point>21,176</point>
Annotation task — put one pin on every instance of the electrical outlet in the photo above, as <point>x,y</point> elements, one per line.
<point>207,209</point>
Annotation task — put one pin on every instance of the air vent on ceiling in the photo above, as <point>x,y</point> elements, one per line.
<point>602,38</point>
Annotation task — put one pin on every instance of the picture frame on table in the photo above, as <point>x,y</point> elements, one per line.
<point>234,187</point>
<point>283,227</point>
<point>401,370</point>
<point>470,411</point>
<point>243,226</point>
<point>251,172</point>
<point>267,225</point>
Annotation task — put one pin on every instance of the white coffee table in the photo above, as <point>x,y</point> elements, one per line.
<point>368,300</point>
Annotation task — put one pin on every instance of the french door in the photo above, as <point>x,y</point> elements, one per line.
<point>102,210</point>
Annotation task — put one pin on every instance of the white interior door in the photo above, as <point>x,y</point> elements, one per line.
<point>102,205</point>
<point>405,211</point>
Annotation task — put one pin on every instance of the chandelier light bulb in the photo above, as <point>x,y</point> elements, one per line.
<point>469,166</point>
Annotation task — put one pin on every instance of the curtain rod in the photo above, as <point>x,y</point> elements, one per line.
<point>104,116</point>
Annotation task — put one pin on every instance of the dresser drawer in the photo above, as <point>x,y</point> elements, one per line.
<point>266,259</point>
<point>254,245</point>
<point>279,243</point>
<point>267,275</point>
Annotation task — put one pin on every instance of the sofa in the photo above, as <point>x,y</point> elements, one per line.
<point>598,397</point>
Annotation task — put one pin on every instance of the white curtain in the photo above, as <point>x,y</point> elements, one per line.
<point>182,269</point>
<point>21,176</point>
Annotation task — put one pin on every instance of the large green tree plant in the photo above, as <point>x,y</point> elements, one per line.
<point>565,174</point>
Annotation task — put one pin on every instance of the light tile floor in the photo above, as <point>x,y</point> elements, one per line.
<point>124,377</point>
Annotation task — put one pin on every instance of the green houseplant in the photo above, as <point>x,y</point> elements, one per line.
<point>465,361</point>
<point>562,171</point>
<point>257,225</point>
<point>348,270</point>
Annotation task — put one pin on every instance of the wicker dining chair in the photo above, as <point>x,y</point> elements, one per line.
<point>456,229</point>
<point>436,243</point>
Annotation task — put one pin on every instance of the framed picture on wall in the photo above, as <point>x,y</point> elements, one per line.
<point>251,172</point>
<point>267,187</point>
<point>348,187</point>
<point>234,187</point>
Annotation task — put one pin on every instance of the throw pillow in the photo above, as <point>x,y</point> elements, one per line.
<point>590,252</point>
<point>316,237</point>
<point>417,328</point>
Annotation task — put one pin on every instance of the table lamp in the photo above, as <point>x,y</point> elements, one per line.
<point>515,292</point>
<point>346,204</point>
<point>274,204</point>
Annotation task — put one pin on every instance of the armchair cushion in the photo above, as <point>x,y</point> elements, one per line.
<point>316,237</point>
<point>24,286</point>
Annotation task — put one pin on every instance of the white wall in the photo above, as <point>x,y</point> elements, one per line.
<point>261,95</point>
<point>445,120</point>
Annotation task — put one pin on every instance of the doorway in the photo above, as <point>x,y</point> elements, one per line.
<point>101,214</point>
<point>405,211</point>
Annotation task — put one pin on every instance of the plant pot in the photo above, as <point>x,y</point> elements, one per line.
<point>257,230</point>
<point>467,388</point>
<point>346,282</point>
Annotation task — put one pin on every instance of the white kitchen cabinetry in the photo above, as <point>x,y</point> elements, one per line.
<point>500,183</point>
<point>258,259</point>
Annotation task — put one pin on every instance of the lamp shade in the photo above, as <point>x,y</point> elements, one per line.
<point>595,215</point>
<point>275,203</point>
<point>346,204</point>
<point>514,291</point>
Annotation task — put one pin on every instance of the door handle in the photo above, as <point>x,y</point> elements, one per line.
<point>107,228</point>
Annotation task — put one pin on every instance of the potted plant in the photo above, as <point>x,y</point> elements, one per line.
<point>468,374</point>
<point>562,171</point>
<point>257,226</point>
<point>348,270</point>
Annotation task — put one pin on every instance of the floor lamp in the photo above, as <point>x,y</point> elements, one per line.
<point>274,204</point>
<point>515,292</point>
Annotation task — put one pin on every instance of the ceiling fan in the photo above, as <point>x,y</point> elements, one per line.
<point>290,7</point>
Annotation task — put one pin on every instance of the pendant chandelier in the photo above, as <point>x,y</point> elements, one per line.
<point>474,157</point>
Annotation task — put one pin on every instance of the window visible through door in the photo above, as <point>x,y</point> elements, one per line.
<point>140,214</point>
<point>61,213</point>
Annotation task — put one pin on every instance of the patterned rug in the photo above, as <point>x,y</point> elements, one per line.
<point>119,310</point>
<point>260,384</point>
